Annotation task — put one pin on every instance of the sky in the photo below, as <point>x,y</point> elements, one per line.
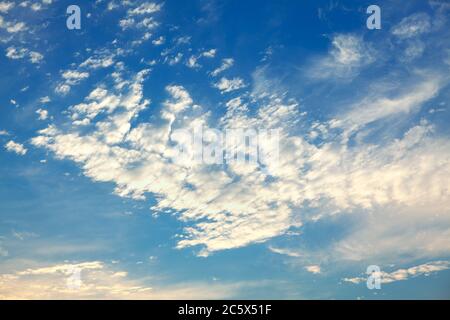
<point>94,205</point>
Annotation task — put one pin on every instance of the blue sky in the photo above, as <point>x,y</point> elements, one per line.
<point>86,132</point>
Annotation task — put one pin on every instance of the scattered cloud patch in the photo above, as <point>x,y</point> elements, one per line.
<point>62,89</point>
<point>15,147</point>
<point>228,85</point>
<point>45,99</point>
<point>16,53</point>
<point>412,26</point>
<point>20,53</point>
<point>210,53</point>
<point>36,57</point>
<point>16,27</point>
<point>193,60</point>
<point>98,61</point>
<point>313,269</point>
<point>145,8</point>
<point>226,64</point>
<point>73,77</point>
<point>159,41</point>
<point>5,6</point>
<point>285,251</point>
<point>42,114</point>
<point>349,53</point>
<point>405,274</point>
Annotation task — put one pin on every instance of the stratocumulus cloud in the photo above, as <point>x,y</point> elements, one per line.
<point>161,132</point>
<point>241,203</point>
<point>252,209</point>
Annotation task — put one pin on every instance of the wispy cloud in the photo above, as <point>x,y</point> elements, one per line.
<point>226,64</point>
<point>405,274</point>
<point>285,251</point>
<point>347,56</point>
<point>20,53</point>
<point>414,25</point>
<point>228,85</point>
<point>378,106</point>
<point>98,280</point>
<point>42,113</point>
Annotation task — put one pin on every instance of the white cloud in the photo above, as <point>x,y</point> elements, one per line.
<point>45,99</point>
<point>226,64</point>
<point>210,53</point>
<point>63,268</point>
<point>16,53</point>
<point>24,4</point>
<point>62,89</point>
<point>145,8</point>
<point>73,77</point>
<point>285,251</point>
<point>43,114</point>
<point>405,274</point>
<point>4,133</point>
<point>234,206</point>
<point>181,97</point>
<point>347,49</point>
<point>5,6</point>
<point>313,269</point>
<point>140,16</point>
<point>192,62</point>
<point>412,26</point>
<point>36,6</point>
<point>183,40</point>
<point>175,59</point>
<point>16,27</point>
<point>104,160</point>
<point>18,148</point>
<point>228,85</point>
<point>148,23</point>
<point>36,57</point>
<point>20,53</point>
<point>377,106</point>
<point>98,61</point>
<point>98,280</point>
<point>414,50</point>
<point>112,5</point>
<point>97,94</point>
<point>349,53</point>
<point>126,23</point>
<point>159,41</point>
<point>23,235</point>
